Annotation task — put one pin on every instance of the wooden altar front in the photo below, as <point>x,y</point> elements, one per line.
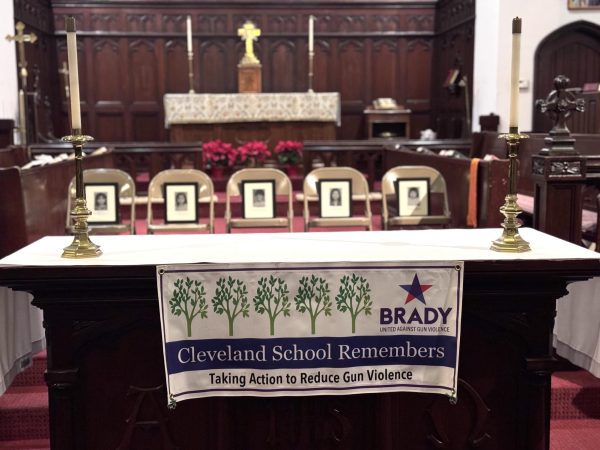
<point>239,118</point>
<point>105,364</point>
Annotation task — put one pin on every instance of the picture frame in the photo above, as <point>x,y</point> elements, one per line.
<point>103,202</point>
<point>335,197</point>
<point>583,4</point>
<point>181,202</point>
<point>412,197</point>
<point>258,199</point>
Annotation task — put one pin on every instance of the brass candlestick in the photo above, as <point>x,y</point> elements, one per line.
<point>511,241</point>
<point>311,57</point>
<point>82,246</point>
<point>191,71</point>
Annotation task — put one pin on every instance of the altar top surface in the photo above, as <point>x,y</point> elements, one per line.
<point>259,107</point>
<point>359,246</point>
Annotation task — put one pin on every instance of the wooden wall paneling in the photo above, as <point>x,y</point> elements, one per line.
<point>283,62</point>
<point>418,83</point>
<point>175,59</point>
<point>322,71</point>
<point>353,44</point>
<point>384,69</point>
<point>453,48</point>
<point>351,84</point>
<point>213,67</point>
<point>144,79</point>
<point>107,89</point>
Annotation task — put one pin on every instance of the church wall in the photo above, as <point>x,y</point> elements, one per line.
<point>131,55</point>
<point>8,76</point>
<point>493,49</point>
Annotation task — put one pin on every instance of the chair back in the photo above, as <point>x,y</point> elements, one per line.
<point>126,192</point>
<point>283,187</point>
<point>206,194</point>
<point>437,185</point>
<point>360,191</point>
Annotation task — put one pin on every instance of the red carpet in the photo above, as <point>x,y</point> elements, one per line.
<point>575,411</point>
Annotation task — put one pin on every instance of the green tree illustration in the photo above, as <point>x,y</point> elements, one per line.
<point>231,299</point>
<point>272,298</point>
<point>354,297</point>
<point>313,297</point>
<point>189,300</point>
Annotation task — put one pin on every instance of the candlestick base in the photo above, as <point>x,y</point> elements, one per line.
<point>511,241</point>
<point>82,246</point>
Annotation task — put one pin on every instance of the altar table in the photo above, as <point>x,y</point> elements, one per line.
<point>105,365</point>
<point>237,118</point>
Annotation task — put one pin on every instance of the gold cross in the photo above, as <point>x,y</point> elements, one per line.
<point>64,71</point>
<point>20,38</point>
<point>249,33</point>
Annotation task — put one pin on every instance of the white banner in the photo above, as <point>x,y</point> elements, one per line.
<point>310,329</point>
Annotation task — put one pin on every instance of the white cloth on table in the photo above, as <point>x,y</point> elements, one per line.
<point>577,325</point>
<point>260,107</point>
<point>21,334</point>
<point>345,246</point>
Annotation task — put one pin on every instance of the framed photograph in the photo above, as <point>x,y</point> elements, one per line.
<point>412,195</point>
<point>258,199</point>
<point>181,202</point>
<point>335,197</point>
<point>584,4</point>
<point>103,202</point>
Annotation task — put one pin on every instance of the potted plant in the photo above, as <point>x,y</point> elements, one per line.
<point>289,155</point>
<point>253,153</point>
<point>218,155</point>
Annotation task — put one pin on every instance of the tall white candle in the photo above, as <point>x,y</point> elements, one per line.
<point>514,74</point>
<point>73,74</point>
<point>311,33</point>
<point>189,34</point>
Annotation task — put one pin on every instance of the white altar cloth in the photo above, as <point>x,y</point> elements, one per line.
<point>345,246</point>
<point>21,334</point>
<point>577,325</point>
<point>262,107</point>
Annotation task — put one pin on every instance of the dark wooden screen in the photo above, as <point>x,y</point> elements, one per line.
<point>574,51</point>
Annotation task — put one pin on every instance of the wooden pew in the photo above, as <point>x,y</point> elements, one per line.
<point>13,231</point>
<point>13,156</point>
<point>33,201</point>
<point>138,158</point>
<point>368,155</point>
<point>491,183</point>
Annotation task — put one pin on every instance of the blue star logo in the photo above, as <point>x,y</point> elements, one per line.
<point>415,290</point>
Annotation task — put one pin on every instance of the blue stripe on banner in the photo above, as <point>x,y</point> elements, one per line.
<point>310,353</point>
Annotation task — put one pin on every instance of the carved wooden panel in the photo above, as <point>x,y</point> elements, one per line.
<point>352,67</point>
<point>384,72</point>
<point>283,64</point>
<point>213,66</point>
<point>109,127</point>
<point>176,79</point>
<point>107,60</point>
<point>143,74</point>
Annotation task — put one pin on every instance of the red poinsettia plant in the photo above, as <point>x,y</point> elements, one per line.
<point>289,152</point>
<point>255,151</point>
<point>218,153</point>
